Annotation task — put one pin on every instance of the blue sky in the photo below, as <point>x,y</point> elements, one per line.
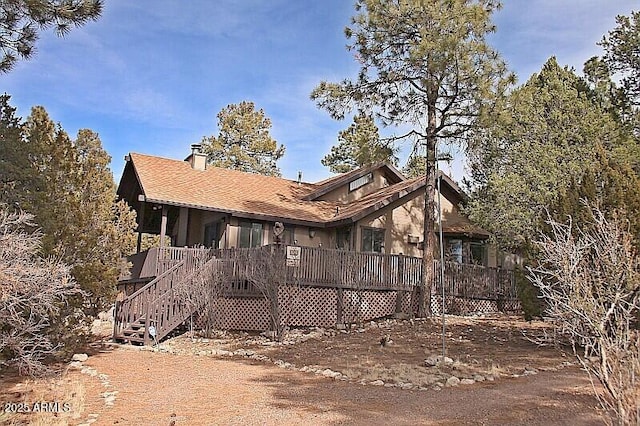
<point>150,76</point>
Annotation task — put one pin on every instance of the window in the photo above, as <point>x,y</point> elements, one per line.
<point>361,181</point>
<point>478,251</point>
<point>211,235</point>
<point>373,240</point>
<point>343,238</point>
<point>250,235</point>
<point>454,251</point>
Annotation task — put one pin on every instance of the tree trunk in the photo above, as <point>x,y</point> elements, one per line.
<point>424,305</point>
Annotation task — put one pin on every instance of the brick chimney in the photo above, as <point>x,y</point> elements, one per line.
<point>197,159</point>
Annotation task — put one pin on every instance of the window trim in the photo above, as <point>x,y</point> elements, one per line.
<point>374,230</point>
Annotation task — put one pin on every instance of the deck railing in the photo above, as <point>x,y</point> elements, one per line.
<point>374,271</point>
<point>339,268</point>
<point>159,303</point>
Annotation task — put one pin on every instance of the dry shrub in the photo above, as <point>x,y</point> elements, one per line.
<point>32,292</point>
<point>589,277</point>
<point>201,291</point>
<point>264,270</point>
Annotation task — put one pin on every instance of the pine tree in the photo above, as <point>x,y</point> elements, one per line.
<point>550,138</point>
<point>424,64</point>
<point>359,145</point>
<point>70,190</point>
<point>244,142</point>
<point>12,158</point>
<point>21,20</point>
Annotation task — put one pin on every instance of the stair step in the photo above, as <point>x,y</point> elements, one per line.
<point>129,339</point>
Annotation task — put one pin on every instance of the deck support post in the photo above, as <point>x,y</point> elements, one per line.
<point>140,226</point>
<point>400,283</point>
<point>339,308</point>
<point>163,225</point>
<point>183,226</point>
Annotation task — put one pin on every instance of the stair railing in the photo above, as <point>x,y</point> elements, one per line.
<point>135,306</point>
<point>170,308</point>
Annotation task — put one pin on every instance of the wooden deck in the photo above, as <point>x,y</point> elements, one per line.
<point>158,304</point>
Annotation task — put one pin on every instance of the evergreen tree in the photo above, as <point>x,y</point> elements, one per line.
<point>12,159</point>
<point>612,186</point>
<point>622,47</point>
<point>359,145</point>
<point>20,21</point>
<point>244,142</point>
<point>424,64</point>
<point>550,134</point>
<point>69,189</point>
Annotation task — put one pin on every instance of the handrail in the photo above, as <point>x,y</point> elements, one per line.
<point>347,269</point>
<point>154,281</point>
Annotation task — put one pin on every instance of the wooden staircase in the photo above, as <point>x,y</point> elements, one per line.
<point>159,307</point>
<point>134,333</point>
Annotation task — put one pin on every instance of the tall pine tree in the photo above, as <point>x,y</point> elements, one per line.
<point>424,65</point>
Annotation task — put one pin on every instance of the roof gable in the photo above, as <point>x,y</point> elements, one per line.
<point>328,185</point>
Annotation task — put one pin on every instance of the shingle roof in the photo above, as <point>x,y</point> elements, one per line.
<point>175,182</point>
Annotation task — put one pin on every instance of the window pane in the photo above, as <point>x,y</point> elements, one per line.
<point>367,240</point>
<point>477,253</point>
<point>211,235</point>
<point>378,240</point>
<point>343,238</point>
<point>256,234</point>
<point>244,241</point>
<point>373,240</point>
<point>455,250</point>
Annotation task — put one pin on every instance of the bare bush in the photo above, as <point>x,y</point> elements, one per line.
<point>201,291</point>
<point>262,271</point>
<point>32,291</point>
<point>589,277</point>
<point>264,268</point>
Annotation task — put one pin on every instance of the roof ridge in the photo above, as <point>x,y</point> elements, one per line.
<point>211,167</point>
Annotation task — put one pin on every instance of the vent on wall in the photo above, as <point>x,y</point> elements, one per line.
<point>361,181</point>
<point>413,239</point>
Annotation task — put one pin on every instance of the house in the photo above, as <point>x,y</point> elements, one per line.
<point>371,209</point>
<point>358,239</point>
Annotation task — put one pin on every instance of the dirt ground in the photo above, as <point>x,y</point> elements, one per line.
<point>375,374</point>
